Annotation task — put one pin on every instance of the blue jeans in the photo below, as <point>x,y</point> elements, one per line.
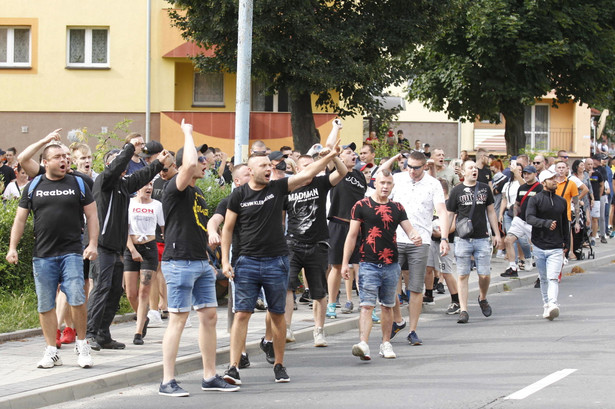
<point>190,283</point>
<point>252,273</point>
<point>378,281</point>
<point>549,264</point>
<point>480,249</point>
<point>66,270</point>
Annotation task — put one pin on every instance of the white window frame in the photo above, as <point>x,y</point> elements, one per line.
<point>533,132</point>
<point>219,103</point>
<point>88,48</point>
<point>10,48</point>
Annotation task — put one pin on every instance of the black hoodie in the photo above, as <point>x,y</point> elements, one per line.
<point>542,210</point>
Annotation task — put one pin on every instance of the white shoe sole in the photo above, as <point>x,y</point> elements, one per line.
<point>357,351</point>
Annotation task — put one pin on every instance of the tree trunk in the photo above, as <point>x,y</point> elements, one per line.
<point>515,134</point>
<point>302,122</point>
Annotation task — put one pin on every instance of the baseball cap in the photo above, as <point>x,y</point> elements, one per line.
<point>362,166</point>
<point>180,153</point>
<point>276,155</point>
<point>351,145</point>
<point>529,169</point>
<point>545,174</point>
<point>151,148</point>
<point>2,152</point>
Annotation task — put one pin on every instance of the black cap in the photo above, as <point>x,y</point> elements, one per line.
<point>180,153</point>
<point>276,155</point>
<point>351,145</point>
<point>151,148</point>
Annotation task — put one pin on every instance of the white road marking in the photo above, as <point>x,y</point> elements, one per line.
<point>543,383</point>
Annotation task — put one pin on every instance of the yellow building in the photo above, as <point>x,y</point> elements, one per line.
<point>67,64</point>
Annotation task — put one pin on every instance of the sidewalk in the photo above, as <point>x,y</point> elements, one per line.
<point>25,386</point>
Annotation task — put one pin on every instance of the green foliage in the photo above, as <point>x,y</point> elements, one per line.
<point>497,56</point>
<point>315,46</point>
<point>113,138</point>
<point>15,277</point>
<point>22,307</point>
<point>213,192</point>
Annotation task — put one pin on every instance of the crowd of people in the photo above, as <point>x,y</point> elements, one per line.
<point>394,229</point>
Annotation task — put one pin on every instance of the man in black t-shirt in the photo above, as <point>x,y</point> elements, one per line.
<point>58,203</point>
<point>597,181</point>
<point>477,243</point>
<point>377,218</point>
<point>263,260</point>
<point>307,240</point>
<point>190,278</point>
<point>482,165</point>
<point>519,228</point>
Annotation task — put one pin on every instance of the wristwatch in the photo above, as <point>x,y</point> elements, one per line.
<point>444,238</point>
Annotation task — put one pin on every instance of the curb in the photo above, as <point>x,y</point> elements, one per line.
<point>151,373</point>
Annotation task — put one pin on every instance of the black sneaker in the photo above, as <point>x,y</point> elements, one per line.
<point>440,288</point>
<point>113,344</point>
<point>267,348</point>
<point>305,297</point>
<point>244,361</point>
<point>172,389</point>
<point>93,343</point>
<point>510,272</point>
<point>536,285</point>
<point>144,332</point>
<point>138,339</point>
<point>485,307</point>
<point>428,300</point>
<point>603,240</point>
<point>231,375</point>
<point>453,309</point>
<point>218,384</point>
<point>464,317</point>
<point>280,374</point>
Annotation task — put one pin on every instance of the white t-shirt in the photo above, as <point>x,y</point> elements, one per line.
<point>143,217</point>
<point>419,199</point>
<point>12,191</point>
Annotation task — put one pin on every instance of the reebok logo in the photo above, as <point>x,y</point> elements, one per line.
<point>57,192</point>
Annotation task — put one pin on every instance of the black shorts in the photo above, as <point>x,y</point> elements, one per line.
<point>149,253</point>
<point>338,230</point>
<point>312,258</point>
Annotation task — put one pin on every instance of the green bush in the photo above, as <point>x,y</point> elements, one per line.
<point>213,192</point>
<point>15,278</point>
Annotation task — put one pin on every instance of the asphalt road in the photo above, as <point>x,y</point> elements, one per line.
<point>514,359</point>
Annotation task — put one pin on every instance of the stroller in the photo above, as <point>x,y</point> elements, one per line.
<point>581,241</point>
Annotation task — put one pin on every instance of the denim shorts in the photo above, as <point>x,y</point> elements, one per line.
<point>479,248</point>
<point>378,281</point>
<point>66,270</point>
<point>190,284</point>
<point>252,273</point>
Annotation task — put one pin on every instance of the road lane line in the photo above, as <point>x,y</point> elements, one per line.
<point>543,383</point>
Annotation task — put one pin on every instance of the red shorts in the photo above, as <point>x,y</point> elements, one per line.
<point>160,251</point>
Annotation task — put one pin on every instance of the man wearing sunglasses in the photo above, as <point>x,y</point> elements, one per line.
<point>539,163</point>
<point>420,194</point>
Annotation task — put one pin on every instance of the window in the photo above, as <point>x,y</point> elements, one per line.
<point>88,47</point>
<point>208,89</point>
<point>536,127</point>
<point>278,102</point>
<point>15,46</point>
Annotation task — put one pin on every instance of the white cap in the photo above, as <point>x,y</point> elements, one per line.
<point>544,175</point>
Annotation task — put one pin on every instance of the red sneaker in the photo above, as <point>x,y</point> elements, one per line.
<point>68,336</point>
<point>58,336</point>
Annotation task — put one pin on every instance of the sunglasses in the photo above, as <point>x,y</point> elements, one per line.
<point>165,169</point>
<point>416,167</point>
<point>564,157</point>
<point>537,163</point>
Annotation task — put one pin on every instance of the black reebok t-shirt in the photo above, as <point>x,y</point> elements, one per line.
<point>345,194</point>
<point>378,226</point>
<point>307,213</point>
<point>460,202</point>
<point>57,208</point>
<point>185,216</point>
<point>259,214</point>
<point>523,189</point>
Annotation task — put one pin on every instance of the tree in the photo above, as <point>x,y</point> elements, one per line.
<point>497,56</point>
<point>314,47</point>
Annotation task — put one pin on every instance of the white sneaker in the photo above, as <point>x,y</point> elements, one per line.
<point>361,350</point>
<point>85,359</point>
<point>552,311</point>
<point>386,351</point>
<point>545,311</point>
<point>529,264</point>
<point>155,320</point>
<point>319,337</point>
<point>290,336</point>
<point>49,360</point>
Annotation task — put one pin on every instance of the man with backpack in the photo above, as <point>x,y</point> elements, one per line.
<point>58,202</point>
